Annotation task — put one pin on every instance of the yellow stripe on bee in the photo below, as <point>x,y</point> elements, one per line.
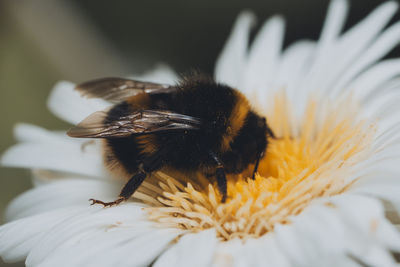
<point>236,120</point>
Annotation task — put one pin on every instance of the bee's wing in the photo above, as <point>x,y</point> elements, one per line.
<point>118,89</point>
<point>139,122</point>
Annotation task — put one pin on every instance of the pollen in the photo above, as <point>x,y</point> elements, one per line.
<point>314,155</point>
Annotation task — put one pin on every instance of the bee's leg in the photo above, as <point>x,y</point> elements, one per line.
<point>126,192</point>
<point>221,178</point>
<point>259,156</point>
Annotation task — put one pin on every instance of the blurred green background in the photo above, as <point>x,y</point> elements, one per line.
<point>44,41</point>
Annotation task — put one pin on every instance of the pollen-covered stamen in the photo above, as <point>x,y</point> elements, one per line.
<point>316,159</point>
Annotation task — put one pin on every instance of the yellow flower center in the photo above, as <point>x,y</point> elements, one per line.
<point>312,159</point>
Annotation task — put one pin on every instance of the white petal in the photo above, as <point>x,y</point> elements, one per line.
<point>334,22</point>
<point>191,250</point>
<point>49,157</point>
<point>349,47</point>
<point>342,261</point>
<point>295,63</point>
<point>226,252</point>
<point>376,106</point>
<point>317,224</point>
<point>263,58</point>
<point>389,122</point>
<point>377,256</point>
<point>130,246</point>
<point>19,237</point>
<point>160,74</point>
<point>335,19</point>
<point>377,75</point>
<point>383,110</point>
<point>261,252</point>
<point>43,177</point>
<point>352,224</point>
<point>354,42</point>
<point>289,243</point>
<point>67,103</point>
<point>385,119</point>
<point>384,43</point>
<point>97,222</point>
<point>378,188</point>
<point>25,132</point>
<point>365,216</point>
<point>70,192</point>
<point>388,136</point>
<point>58,153</point>
<point>232,59</point>
<point>140,251</point>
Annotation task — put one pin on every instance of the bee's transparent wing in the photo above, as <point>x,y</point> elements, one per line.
<point>118,89</point>
<point>139,122</point>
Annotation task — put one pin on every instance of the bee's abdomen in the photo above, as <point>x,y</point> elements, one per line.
<point>122,156</point>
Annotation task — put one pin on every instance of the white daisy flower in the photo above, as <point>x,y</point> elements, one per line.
<point>328,190</point>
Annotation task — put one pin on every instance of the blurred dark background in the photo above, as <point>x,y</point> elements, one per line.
<point>44,41</point>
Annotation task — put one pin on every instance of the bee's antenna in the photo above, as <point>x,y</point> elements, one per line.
<point>270,132</point>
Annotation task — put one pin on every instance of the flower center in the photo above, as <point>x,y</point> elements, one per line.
<point>316,158</point>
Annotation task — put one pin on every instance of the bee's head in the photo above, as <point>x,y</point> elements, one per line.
<point>250,144</point>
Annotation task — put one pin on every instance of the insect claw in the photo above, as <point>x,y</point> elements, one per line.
<point>107,204</point>
<point>95,201</point>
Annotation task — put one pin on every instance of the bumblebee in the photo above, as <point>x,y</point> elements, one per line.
<point>197,125</point>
